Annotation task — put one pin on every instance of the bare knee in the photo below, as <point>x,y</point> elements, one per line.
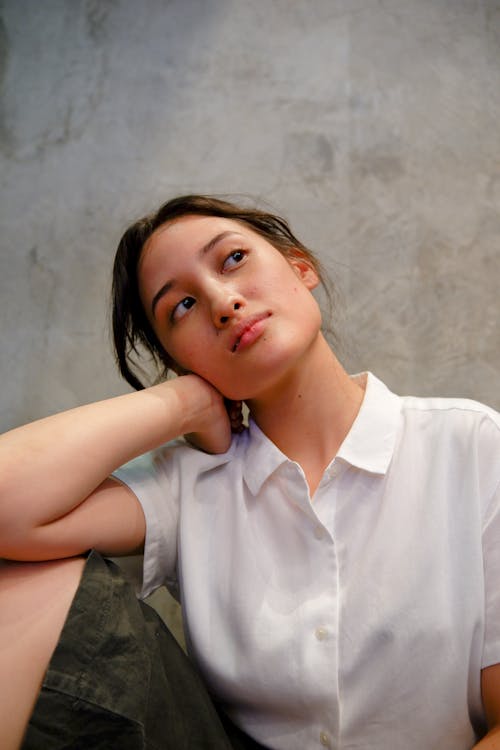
<point>34,601</point>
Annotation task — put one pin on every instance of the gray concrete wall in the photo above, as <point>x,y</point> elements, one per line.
<point>373,125</point>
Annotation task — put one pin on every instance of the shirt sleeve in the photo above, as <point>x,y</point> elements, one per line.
<point>153,478</point>
<point>491,552</point>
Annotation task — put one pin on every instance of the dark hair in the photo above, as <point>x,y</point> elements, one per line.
<point>131,328</point>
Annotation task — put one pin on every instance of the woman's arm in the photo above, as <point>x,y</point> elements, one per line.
<point>490,688</point>
<point>55,498</point>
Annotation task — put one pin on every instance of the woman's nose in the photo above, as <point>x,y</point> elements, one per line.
<point>224,308</point>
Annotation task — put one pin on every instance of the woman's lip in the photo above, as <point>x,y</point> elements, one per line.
<point>248,331</point>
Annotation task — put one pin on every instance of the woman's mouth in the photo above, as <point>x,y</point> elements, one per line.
<point>248,331</point>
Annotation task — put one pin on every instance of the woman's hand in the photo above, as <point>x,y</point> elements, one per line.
<point>214,418</point>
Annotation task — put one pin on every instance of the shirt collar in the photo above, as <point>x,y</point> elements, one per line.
<point>369,444</point>
<point>262,458</point>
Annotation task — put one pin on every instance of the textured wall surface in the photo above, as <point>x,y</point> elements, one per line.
<point>373,125</point>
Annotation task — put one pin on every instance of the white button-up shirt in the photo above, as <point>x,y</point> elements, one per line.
<point>361,618</point>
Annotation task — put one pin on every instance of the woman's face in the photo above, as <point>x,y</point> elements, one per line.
<point>226,305</point>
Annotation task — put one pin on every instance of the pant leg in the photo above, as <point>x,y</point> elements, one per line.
<point>118,679</point>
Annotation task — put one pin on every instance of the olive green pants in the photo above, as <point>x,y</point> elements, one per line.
<point>118,679</point>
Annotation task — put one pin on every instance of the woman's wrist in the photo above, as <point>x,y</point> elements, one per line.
<point>195,403</point>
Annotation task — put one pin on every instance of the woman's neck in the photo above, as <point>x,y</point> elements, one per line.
<point>309,413</point>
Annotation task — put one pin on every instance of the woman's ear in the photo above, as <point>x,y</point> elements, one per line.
<point>304,270</point>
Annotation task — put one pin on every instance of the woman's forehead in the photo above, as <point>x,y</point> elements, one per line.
<point>195,229</point>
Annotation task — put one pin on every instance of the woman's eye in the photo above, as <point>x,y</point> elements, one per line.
<point>182,307</point>
<point>233,259</point>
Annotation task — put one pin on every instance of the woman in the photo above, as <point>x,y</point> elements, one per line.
<point>337,562</point>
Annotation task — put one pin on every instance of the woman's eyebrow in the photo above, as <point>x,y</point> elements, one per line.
<point>218,238</point>
<point>159,294</point>
<point>202,251</point>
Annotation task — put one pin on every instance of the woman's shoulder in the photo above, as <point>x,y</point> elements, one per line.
<point>463,432</point>
<point>435,418</point>
<point>456,418</point>
<point>465,407</point>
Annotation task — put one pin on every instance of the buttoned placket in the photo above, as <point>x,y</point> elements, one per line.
<point>324,505</point>
<point>323,529</point>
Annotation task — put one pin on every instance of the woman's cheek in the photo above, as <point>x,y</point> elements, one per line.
<point>188,355</point>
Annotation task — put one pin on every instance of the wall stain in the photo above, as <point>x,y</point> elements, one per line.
<point>310,155</point>
<point>3,48</point>
<point>48,102</point>
<point>96,15</point>
<point>5,139</point>
<point>385,166</point>
<point>33,256</point>
<point>43,281</point>
<point>492,19</point>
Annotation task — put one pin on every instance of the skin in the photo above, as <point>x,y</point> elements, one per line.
<point>490,688</point>
<point>56,500</point>
<point>237,279</point>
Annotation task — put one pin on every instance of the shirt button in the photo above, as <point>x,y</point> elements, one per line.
<point>321,634</point>
<point>319,532</point>
<point>324,739</point>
